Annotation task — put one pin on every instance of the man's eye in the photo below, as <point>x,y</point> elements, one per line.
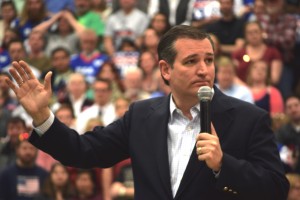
<point>209,60</point>
<point>188,62</point>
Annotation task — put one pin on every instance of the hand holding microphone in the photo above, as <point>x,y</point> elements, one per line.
<point>208,147</point>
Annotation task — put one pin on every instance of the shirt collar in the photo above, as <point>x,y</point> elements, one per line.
<point>173,107</point>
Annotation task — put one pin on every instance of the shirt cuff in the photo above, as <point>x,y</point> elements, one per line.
<point>40,130</point>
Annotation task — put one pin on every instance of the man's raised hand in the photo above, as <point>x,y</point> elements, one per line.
<point>32,95</point>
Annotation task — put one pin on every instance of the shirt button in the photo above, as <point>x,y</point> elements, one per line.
<point>225,188</point>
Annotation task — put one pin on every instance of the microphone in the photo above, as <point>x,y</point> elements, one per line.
<point>205,94</point>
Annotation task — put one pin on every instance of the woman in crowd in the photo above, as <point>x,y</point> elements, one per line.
<point>58,185</point>
<point>255,49</point>
<point>264,95</point>
<point>148,64</point>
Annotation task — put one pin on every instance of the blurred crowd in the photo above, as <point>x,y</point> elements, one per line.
<point>103,56</point>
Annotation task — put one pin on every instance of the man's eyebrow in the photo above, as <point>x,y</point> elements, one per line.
<point>196,55</point>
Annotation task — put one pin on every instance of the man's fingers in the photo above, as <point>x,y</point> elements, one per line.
<point>11,84</point>
<point>213,130</point>
<point>15,75</point>
<point>29,74</point>
<point>47,81</point>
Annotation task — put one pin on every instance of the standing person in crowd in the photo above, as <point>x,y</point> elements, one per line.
<point>23,179</point>
<point>33,13</point>
<point>57,185</point>
<point>89,60</point>
<point>15,126</point>
<point>127,22</point>
<point>102,9</point>
<point>160,23</point>
<point>265,95</point>
<point>256,49</point>
<point>226,80</point>
<point>8,14</point>
<point>160,133</point>
<point>88,18</point>
<point>66,33</point>
<point>229,28</point>
<point>280,31</point>
<point>289,134</point>
<point>177,12</point>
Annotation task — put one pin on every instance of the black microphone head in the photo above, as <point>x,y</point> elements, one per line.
<point>205,93</point>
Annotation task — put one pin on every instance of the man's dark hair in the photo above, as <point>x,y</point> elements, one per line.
<point>17,120</point>
<point>166,50</point>
<point>57,49</point>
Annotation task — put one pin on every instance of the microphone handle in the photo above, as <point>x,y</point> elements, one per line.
<point>205,116</point>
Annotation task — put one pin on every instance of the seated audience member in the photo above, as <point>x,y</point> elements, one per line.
<point>15,126</point>
<point>133,79</point>
<point>226,76</point>
<point>8,101</point>
<point>103,106</point>
<point>86,186</point>
<point>264,95</point>
<point>36,55</point>
<point>61,71</point>
<point>294,192</point>
<point>90,60</point>
<point>255,49</point>
<point>289,134</point>
<point>57,185</point>
<point>122,187</point>
<point>17,51</point>
<point>109,71</point>
<point>23,179</point>
<point>150,41</point>
<point>76,88</point>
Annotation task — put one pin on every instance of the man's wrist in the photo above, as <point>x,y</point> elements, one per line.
<point>40,117</point>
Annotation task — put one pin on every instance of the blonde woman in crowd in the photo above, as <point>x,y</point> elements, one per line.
<point>264,95</point>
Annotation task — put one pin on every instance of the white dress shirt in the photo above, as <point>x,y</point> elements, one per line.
<point>181,141</point>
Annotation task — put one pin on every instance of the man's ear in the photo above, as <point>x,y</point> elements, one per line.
<point>165,69</point>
